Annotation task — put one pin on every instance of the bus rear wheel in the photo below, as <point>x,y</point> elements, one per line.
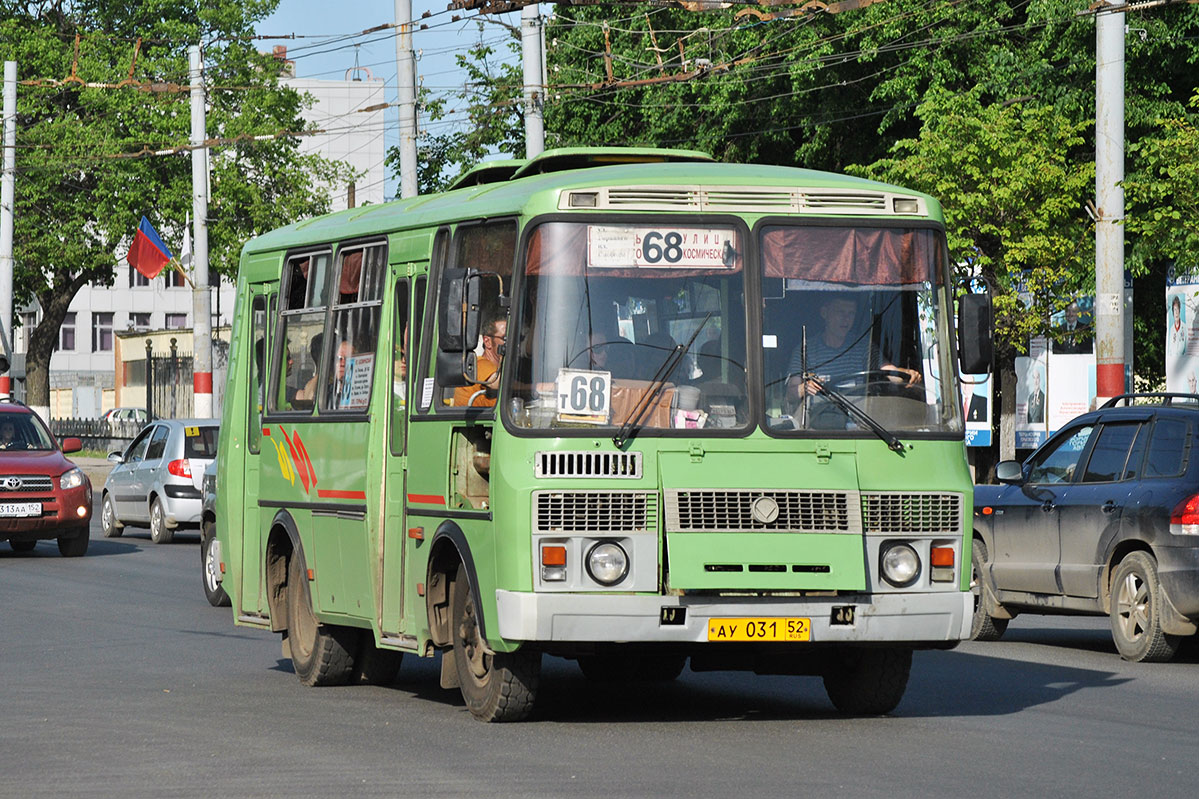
<point>322,654</point>
<point>868,682</point>
<point>500,686</point>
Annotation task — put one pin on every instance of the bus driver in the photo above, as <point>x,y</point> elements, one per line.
<point>487,370</point>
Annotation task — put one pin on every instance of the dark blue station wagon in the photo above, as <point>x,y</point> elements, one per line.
<point>1102,519</point>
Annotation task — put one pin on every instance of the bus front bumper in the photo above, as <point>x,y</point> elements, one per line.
<point>917,618</point>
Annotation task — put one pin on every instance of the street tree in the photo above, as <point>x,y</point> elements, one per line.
<point>103,88</point>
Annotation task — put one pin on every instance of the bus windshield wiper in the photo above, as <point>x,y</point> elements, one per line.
<point>859,415</point>
<point>632,422</point>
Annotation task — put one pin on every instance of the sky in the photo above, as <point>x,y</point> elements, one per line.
<point>327,44</point>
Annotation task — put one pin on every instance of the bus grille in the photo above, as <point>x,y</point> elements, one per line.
<point>588,464</point>
<point>731,511</point>
<point>746,199</point>
<point>911,512</point>
<point>557,512</point>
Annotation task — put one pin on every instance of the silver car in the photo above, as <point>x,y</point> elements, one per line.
<point>156,481</point>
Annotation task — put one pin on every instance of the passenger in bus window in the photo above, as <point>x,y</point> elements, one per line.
<point>297,293</point>
<point>614,355</point>
<point>337,386</point>
<point>487,371</point>
<point>308,393</point>
<point>841,350</point>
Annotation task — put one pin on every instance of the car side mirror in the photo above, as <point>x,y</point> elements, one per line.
<point>116,457</point>
<point>1010,472</point>
<point>975,345</point>
<point>72,444</point>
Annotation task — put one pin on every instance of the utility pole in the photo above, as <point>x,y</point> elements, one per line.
<point>1109,203</point>
<point>7,198</point>
<point>406,83</point>
<point>534,92</point>
<point>201,299</point>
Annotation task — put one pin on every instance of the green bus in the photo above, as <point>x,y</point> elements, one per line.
<point>631,407</point>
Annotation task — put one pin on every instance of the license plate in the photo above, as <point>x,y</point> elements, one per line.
<point>20,509</point>
<point>768,629</point>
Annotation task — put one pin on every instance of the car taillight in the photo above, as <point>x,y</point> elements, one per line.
<point>180,468</point>
<point>1186,516</point>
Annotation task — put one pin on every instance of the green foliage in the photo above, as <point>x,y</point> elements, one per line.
<point>78,201</point>
<point>1012,179</point>
<point>1164,192</point>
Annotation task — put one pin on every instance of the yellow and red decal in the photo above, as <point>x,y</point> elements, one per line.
<point>294,462</point>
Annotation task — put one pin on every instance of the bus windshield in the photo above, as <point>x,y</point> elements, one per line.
<point>861,311</point>
<point>605,307</point>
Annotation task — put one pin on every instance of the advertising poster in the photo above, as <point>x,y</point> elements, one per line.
<point>1182,330</point>
<point>1032,372</point>
<point>976,404</point>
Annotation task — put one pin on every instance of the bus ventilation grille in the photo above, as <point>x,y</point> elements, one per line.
<point>912,512</point>
<point>734,511</point>
<point>604,512</point>
<point>588,464</point>
<point>733,199</point>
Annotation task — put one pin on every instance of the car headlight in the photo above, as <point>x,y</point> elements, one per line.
<point>607,563</point>
<point>900,564</point>
<point>72,479</point>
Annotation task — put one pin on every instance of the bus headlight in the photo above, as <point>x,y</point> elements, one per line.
<point>607,563</point>
<point>900,564</point>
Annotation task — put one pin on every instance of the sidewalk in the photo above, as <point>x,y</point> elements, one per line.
<point>96,469</point>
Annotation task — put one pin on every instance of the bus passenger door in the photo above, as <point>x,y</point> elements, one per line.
<point>261,309</point>
<point>391,564</point>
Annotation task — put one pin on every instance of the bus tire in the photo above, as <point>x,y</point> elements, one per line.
<point>868,682</point>
<point>983,627</point>
<point>322,654</point>
<point>495,687</point>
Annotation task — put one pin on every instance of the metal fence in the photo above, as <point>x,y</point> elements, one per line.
<point>97,434</point>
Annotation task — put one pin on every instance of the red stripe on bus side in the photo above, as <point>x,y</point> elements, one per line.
<point>427,499</point>
<point>328,493</point>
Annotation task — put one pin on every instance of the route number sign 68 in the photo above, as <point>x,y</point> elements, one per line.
<point>584,396</point>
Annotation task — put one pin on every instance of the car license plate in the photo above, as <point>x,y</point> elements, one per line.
<point>20,509</point>
<point>767,629</point>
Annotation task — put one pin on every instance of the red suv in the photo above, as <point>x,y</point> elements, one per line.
<point>42,494</point>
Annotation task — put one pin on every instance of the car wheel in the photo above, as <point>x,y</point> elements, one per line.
<point>74,545</point>
<point>500,686</point>
<point>868,682</point>
<point>159,532</point>
<point>108,518</point>
<point>1136,611</point>
<point>211,569</point>
<point>983,627</point>
<point>322,654</point>
<point>22,545</point>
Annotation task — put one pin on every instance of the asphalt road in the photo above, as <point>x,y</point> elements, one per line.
<point>118,679</point>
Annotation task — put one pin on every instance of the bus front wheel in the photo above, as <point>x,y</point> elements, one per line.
<point>868,682</point>
<point>322,654</point>
<point>500,686</point>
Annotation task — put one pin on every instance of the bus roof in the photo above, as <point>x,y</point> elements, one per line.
<point>673,179</point>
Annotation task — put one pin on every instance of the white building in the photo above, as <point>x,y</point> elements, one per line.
<point>82,369</point>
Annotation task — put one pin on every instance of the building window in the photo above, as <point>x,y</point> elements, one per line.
<point>176,321</point>
<point>25,332</point>
<point>137,279</point>
<point>172,278</point>
<point>66,333</point>
<point>102,332</point>
<point>139,321</point>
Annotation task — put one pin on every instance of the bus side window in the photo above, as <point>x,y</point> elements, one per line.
<point>399,368</point>
<point>301,327</point>
<point>488,248</point>
<point>258,328</point>
<point>356,311</point>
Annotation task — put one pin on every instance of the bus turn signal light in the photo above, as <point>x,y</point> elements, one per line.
<point>941,559</point>
<point>553,563</point>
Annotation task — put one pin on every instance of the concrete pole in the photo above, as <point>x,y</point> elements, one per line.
<point>7,198</point>
<point>201,299</point>
<point>1109,200</point>
<point>530,48</point>
<point>406,85</point>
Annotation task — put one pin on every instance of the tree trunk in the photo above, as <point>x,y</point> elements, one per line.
<point>1007,409</point>
<point>55,304</point>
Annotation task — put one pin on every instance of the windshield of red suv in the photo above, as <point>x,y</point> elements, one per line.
<point>22,432</point>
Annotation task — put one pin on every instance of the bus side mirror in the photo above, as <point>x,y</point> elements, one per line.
<point>975,347</point>
<point>460,311</point>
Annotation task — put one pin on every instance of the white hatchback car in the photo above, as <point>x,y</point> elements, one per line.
<point>156,481</point>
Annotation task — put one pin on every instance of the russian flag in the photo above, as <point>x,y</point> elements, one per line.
<point>148,254</point>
